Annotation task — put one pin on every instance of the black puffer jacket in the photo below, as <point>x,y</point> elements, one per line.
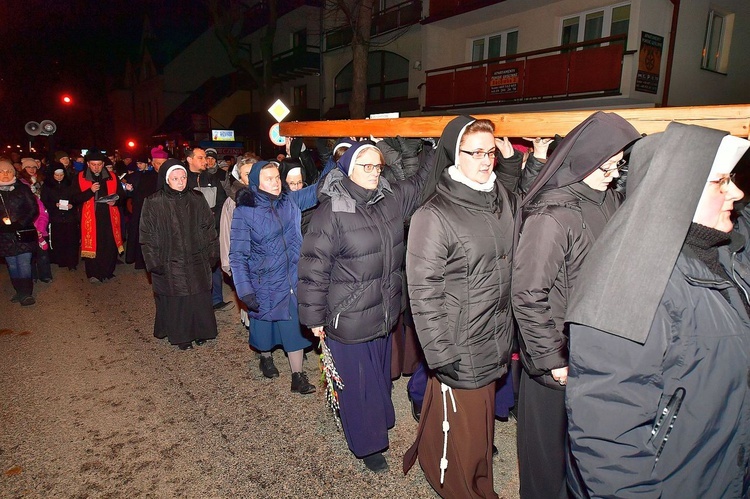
<point>458,267</point>
<point>350,269</point>
<point>179,241</point>
<point>558,230</point>
<point>20,205</point>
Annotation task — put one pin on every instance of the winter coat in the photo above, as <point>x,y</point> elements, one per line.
<point>670,417</point>
<point>52,193</point>
<point>559,228</point>
<point>265,248</point>
<point>20,205</point>
<point>458,268</point>
<point>179,242</point>
<point>225,227</point>
<point>352,256</point>
<point>209,182</point>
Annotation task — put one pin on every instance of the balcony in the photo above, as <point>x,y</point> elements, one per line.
<point>587,69</point>
<point>256,16</point>
<point>387,20</point>
<point>442,9</point>
<point>294,63</point>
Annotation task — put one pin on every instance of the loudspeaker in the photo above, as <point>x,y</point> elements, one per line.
<point>48,127</point>
<point>33,128</point>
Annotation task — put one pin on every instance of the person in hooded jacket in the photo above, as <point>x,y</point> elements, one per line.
<point>458,266</point>
<point>144,181</point>
<point>180,247</point>
<point>563,213</point>
<point>658,397</point>
<point>63,216</point>
<point>351,284</point>
<point>18,210</point>
<point>264,253</point>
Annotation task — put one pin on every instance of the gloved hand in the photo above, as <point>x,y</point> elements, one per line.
<point>251,302</point>
<point>449,370</point>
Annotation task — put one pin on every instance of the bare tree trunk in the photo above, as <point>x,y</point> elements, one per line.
<point>361,25</point>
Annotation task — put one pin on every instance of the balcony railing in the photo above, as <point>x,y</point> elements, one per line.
<point>293,63</point>
<point>390,19</point>
<point>257,15</point>
<point>555,73</point>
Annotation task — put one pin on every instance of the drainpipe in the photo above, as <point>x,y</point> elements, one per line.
<point>670,54</point>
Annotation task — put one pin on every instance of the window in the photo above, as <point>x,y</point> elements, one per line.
<point>300,96</point>
<point>299,39</point>
<point>717,41</point>
<point>495,45</point>
<point>600,23</point>
<point>387,78</point>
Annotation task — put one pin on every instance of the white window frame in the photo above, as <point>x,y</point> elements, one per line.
<point>503,44</point>
<point>606,22</point>
<point>724,39</point>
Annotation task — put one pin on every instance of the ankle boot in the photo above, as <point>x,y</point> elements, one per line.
<point>16,297</point>
<point>25,290</point>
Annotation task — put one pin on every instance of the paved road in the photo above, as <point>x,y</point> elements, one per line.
<point>92,405</point>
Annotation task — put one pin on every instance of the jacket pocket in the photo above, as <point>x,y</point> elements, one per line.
<point>348,302</point>
<point>665,421</point>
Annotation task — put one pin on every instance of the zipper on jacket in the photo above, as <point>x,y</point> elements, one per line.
<point>668,416</point>
<point>737,282</point>
<point>286,250</point>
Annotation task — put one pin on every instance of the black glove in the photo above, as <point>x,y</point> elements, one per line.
<point>449,370</point>
<point>251,302</point>
<point>158,270</point>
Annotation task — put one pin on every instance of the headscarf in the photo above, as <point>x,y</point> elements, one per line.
<point>446,151</point>
<point>583,150</point>
<point>253,178</point>
<point>626,272</point>
<point>346,162</point>
<point>167,167</point>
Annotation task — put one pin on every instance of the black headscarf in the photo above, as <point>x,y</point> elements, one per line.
<point>161,182</point>
<point>445,154</point>
<point>583,150</point>
<point>624,276</point>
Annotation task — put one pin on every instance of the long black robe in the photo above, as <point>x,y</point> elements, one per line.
<point>65,232</point>
<point>144,186</point>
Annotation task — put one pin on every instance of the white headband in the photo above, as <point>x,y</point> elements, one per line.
<point>169,170</point>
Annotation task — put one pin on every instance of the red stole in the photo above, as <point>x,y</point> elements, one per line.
<point>88,217</point>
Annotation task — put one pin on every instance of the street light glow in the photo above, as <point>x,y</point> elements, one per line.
<point>67,99</point>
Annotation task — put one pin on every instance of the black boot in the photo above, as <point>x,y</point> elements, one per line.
<point>16,297</point>
<point>25,290</point>
<point>300,384</point>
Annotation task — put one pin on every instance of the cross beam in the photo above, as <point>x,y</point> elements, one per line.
<point>734,119</point>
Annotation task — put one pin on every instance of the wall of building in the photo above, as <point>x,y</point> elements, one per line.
<point>692,85</point>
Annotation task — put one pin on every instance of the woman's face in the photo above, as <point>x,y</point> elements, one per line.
<point>244,172</point>
<point>59,176</point>
<point>177,179</point>
<point>717,202</point>
<point>600,178</point>
<point>367,180</point>
<point>7,172</point>
<point>478,170</point>
<point>270,180</point>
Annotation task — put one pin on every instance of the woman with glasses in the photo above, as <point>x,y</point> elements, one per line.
<point>18,236</point>
<point>180,247</point>
<point>657,397</point>
<point>562,215</point>
<point>351,284</point>
<point>458,265</point>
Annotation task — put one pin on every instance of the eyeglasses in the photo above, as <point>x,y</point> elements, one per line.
<point>300,183</point>
<point>369,167</point>
<point>724,181</point>
<point>619,166</point>
<point>481,154</point>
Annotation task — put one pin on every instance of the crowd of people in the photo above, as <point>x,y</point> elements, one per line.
<point>607,305</point>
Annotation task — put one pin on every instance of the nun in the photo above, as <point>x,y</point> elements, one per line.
<point>180,247</point>
<point>658,395</point>
<point>564,212</point>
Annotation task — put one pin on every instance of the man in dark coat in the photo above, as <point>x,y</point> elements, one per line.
<point>97,190</point>
<point>180,246</point>
<point>207,184</point>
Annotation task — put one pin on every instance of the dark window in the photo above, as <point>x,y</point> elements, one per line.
<point>387,78</point>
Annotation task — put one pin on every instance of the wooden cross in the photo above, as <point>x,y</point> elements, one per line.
<point>734,119</point>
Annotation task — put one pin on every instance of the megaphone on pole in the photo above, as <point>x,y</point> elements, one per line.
<point>48,127</point>
<point>33,128</point>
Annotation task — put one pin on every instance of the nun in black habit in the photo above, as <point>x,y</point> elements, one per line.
<point>564,212</point>
<point>180,247</point>
<point>658,398</point>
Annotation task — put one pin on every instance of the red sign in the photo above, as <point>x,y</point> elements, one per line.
<point>505,80</point>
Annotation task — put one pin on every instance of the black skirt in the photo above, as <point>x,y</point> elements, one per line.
<point>183,319</point>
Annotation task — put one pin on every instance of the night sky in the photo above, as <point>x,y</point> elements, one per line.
<point>80,47</point>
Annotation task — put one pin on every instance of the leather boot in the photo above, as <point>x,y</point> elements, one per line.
<point>16,297</point>
<point>25,290</point>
